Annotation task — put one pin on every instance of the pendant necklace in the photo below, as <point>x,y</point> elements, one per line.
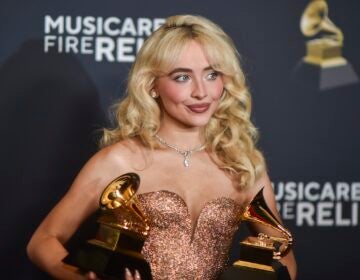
<point>185,153</point>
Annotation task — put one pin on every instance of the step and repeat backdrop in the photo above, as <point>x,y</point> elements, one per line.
<point>63,63</point>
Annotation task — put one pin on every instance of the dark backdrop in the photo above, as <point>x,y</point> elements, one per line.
<point>53,102</point>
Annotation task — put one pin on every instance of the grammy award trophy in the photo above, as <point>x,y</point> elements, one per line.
<point>121,233</point>
<point>259,255</point>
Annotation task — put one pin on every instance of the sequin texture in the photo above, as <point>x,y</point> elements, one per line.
<point>175,248</point>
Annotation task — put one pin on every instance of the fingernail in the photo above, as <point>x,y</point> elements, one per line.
<point>127,272</point>
<point>137,275</point>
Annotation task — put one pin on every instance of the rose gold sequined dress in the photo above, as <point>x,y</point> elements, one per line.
<point>174,250</point>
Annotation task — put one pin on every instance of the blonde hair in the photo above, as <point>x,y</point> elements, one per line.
<point>230,134</point>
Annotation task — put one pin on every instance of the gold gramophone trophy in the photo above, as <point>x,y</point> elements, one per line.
<point>259,255</point>
<point>325,51</point>
<point>121,234</point>
<point>323,66</point>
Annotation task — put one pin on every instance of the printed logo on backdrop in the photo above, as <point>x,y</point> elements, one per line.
<point>111,39</point>
<point>323,67</point>
<point>319,204</point>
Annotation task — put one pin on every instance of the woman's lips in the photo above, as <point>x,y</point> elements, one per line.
<point>199,108</point>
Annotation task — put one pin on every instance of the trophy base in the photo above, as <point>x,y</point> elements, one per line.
<point>243,270</point>
<point>315,77</point>
<point>255,256</point>
<point>108,264</point>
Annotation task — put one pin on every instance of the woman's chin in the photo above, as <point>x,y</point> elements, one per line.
<point>199,123</point>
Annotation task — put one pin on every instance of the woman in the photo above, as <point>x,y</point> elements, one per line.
<point>185,128</point>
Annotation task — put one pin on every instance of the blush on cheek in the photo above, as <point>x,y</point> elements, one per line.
<point>173,93</point>
<point>218,92</point>
<point>217,88</point>
<point>176,98</point>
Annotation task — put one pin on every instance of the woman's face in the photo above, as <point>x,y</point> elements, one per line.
<point>191,90</point>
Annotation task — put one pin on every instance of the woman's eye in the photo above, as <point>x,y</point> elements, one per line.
<point>212,76</point>
<point>182,78</point>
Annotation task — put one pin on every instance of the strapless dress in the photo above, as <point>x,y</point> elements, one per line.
<point>175,248</point>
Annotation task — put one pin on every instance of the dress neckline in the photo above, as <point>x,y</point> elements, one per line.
<point>184,202</point>
<point>194,224</point>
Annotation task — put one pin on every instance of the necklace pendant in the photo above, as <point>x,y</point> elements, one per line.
<point>187,158</point>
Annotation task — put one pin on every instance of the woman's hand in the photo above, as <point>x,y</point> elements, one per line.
<point>128,275</point>
<point>92,276</point>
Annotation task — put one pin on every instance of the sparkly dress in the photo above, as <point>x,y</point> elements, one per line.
<point>175,250</point>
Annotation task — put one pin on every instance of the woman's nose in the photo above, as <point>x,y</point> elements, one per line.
<point>199,90</point>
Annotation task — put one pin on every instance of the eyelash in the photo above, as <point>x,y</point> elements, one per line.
<point>185,77</point>
<point>180,78</point>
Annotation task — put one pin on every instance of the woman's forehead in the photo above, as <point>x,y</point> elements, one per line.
<point>191,54</point>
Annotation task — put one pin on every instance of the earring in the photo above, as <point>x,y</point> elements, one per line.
<point>154,94</point>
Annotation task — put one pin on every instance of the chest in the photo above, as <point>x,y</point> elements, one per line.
<point>202,181</point>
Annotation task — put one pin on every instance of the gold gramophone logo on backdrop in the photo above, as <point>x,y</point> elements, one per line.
<point>323,65</point>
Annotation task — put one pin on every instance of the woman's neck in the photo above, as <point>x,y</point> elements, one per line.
<point>184,138</point>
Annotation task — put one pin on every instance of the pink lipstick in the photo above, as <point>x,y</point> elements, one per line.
<point>199,108</point>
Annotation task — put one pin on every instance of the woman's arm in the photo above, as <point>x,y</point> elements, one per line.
<point>289,259</point>
<point>45,248</point>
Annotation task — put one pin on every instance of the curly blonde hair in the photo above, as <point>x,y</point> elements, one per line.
<point>230,134</point>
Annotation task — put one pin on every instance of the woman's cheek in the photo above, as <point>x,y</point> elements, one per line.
<point>177,94</point>
<point>218,90</point>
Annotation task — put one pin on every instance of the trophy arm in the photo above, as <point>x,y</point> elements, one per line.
<point>125,219</point>
<point>258,212</point>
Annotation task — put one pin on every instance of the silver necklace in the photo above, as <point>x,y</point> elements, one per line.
<point>185,153</point>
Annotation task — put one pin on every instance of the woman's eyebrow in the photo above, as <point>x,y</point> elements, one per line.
<point>187,70</point>
<point>176,70</point>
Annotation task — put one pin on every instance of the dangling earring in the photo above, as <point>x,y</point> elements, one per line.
<point>154,94</point>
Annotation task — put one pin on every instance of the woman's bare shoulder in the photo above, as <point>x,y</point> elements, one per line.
<point>107,164</point>
<point>118,153</point>
<point>262,182</point>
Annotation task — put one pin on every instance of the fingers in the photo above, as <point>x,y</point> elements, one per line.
<point>92,276</point>
<point>137,275</point>
<point>130,276</point>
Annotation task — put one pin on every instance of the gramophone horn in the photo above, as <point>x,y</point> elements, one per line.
<point>258,212</point>
<point>121,193</point>
<point>315,19</point>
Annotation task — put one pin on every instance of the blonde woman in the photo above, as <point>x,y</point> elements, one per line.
<point>184,127</point>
